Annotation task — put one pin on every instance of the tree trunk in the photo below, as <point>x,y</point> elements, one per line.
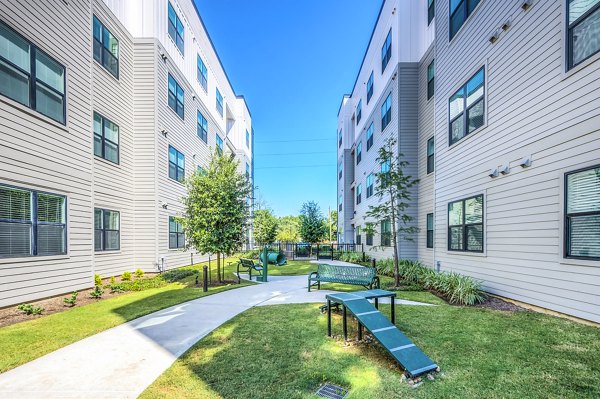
<point>395,242</point>
<point>219,267</point>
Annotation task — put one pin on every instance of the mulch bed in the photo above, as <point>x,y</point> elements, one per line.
<point>495,303</point>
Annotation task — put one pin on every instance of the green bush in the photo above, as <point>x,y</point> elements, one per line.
<point>115,287</point>
<point>29,309</point>
<point>126,276</point>
<point>143,284</point>
<point>97,292</point>
<point>112,280</point>
<point>139,273</point>
<point>178,274</point>
<point>354,257</point>
<point>97,279</point>
<point>72,300</point>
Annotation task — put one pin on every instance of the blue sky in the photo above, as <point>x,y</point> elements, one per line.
<point>293,61</point>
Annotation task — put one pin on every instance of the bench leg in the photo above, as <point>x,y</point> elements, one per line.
<point>344,323</point>
<point>377,303</point>
<point>393,310</point>
<point>328,317</point>
<point>360,331</point>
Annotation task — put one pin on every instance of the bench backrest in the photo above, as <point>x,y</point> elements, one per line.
<point>344,273</point>
<point>246,262</point>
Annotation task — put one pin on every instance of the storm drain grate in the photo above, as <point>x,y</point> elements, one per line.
<point>332,392</point>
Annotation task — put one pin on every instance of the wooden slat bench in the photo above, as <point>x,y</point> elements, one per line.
<point>248,265</point>
<point>356,275</point>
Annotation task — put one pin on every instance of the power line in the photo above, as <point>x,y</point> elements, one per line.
<point>294,141</point>
<point>295,167</point>
<point>295,153</point>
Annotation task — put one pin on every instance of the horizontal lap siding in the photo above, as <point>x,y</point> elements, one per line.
<point>43,155</point>
<point>532,108</point>
<point>113,184</point>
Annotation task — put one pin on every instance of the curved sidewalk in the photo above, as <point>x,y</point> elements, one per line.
<point>121,362</point>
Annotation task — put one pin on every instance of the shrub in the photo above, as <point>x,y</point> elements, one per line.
<point>72,299</point>
<point>97,292</point>
<point>385,267</point>
<point>29,309</point>
<point>139,273</point>
<point>126,276</point>
<point>143,284</point>
<point>178,274</point>
<point>115,288</point>
<point>354,257</point>
<point>112,280</point>
<point>97,279</point>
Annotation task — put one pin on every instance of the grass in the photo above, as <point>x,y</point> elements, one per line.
<point>23,342</point>
<point>293,268</point>
<point>483,354</point>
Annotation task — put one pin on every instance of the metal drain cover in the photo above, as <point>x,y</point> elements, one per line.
<point>332,392</point>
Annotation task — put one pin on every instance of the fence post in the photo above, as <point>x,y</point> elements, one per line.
<point>373,263</point>
<point>204,278</point>
<point>364,257</point>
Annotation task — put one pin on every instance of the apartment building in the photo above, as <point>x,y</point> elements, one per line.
<point>500,122</point>
<point>105,107</point>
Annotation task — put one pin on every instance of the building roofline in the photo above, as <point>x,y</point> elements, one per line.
<point>368,46</point>
<point>217,54</point>
<point>342,103</point>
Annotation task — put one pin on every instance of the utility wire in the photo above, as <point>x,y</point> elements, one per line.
<point>295,167</point>
<point>295,153</point>
<point>294,141</point>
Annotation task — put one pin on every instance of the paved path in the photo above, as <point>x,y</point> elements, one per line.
<point>121,362</point>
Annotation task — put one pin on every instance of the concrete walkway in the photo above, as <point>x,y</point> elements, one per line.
<point>121,362</point>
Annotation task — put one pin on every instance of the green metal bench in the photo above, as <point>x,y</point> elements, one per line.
<point>356,275</point>
<point>248,265</point>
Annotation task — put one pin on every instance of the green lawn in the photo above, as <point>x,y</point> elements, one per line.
<point>293,268</point>
<point>483,354</point>
<point>23,342</point>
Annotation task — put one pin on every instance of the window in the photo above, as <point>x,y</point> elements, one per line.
<point>106,139</point>
<point>370,87</point>
<point>359,112</point>
<point>202,73</point>
<point>386,51</point>
<point>430,155</point>
<point>386,233</point>
<point>370,136</point>
<point>358,194</point>
<point>247,139</point>
<point>465,225</point>
<point>106,230</point>
<point>467,108</point>
<point>430,11</point>
<point>32,223</point>
<point>340,200</point>
<point>202,127</point>
<point>430,79</point>
<point>340,138</point>
<point>582,222</point>
<point>370,185</point>
<point>219,102</point>
<point>340,165</point>
<point>460,10</point>
<point>583,30</point>
<point>176,97</point>
<point>369,239</point>
<point>359,152</point>
<point>200,170</point>
<point>176,28</point>
<point>247,171</point>
<point>385,166</point>
<point>219,141</point>
<point>386,112</point>
<point>31,77</point>
<point>430,230</point>
<point>106,48</point>
<point>176,234</point>
<point>358,236</point>
<point>176,165</point>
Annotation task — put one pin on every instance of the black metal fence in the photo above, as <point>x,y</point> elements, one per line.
<point>301,251</point>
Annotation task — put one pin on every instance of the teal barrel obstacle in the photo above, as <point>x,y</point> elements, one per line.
<point>274,258</point>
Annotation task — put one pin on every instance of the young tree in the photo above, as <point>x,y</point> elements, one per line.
<point>312,226</point>
<point>288,227</point>
<point>216,212</point>
<point>333,225</point>
<point>265,226</point>
<point>393,189</point>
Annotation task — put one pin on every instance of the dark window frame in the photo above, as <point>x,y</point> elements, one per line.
<point>247,139</point>
<point>464,7</point>
<point>370,83</point>
<point>431,80</point>
<point>370,133</point>
<point>174,25</point>
<point>104,231</point>
<point>569,216</point>
<point>105,53</point>
<point>386,118</point>
<point>219,101</point>
<point>369,186</point>
<point>429,243</point>
<point>465,112</point>
<point>358,112</point>
<point>465,225</point>
<point>32,79</point>
<point>173,99</point>
<point>358,194</point>
<point>179,171</point>
<point>201,126</point>
<point>34,222</point>
<point>430,11</point>
<point>359,152</point>
<point>104,140</point>
<point>431,155</point>
<point>358,239</point>
<point>340,169</point>
<point>369,239</point>
<point>202,73</point>
<point>386,51</point>
<point>219,143</point>
<point>570,27</point>
<point>179,234</point>
<point>340,138</point>
<point>386,236</point>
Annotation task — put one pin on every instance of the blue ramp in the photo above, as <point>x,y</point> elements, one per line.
<point>398,345</point>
